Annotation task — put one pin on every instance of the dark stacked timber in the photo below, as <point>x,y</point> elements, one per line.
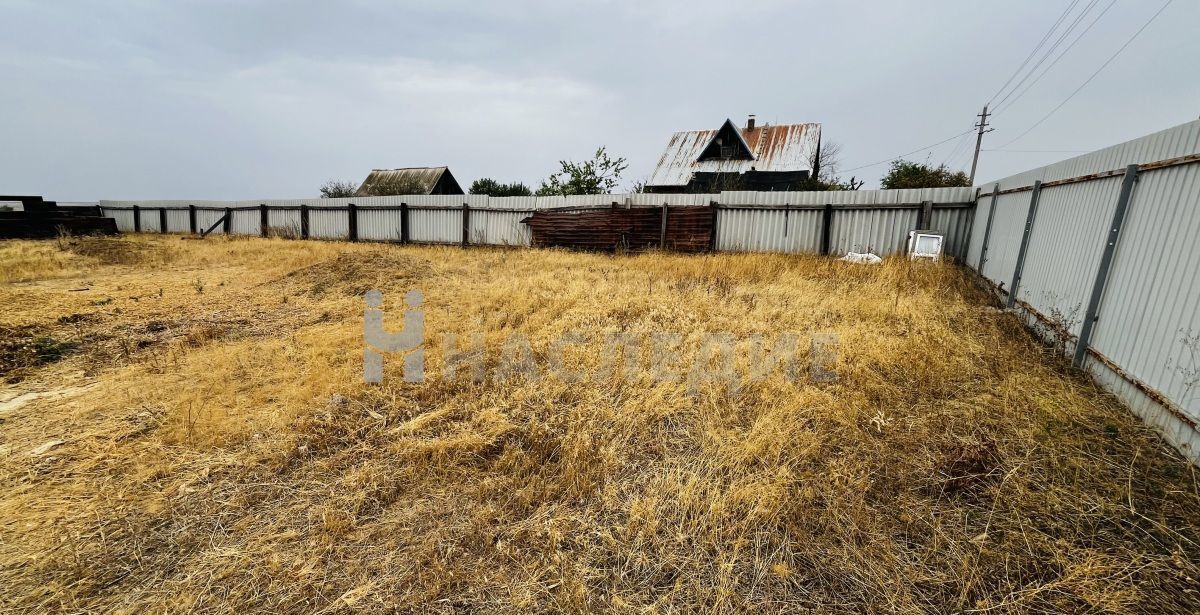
<point>42,219</point>
<point>687,229</point>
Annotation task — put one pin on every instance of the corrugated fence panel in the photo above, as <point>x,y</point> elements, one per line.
<point>748,230</point>
<point>651,200</point>
<point>329,223</point>
<point>447,200</point>
<point>205,218</point>
<point>178,221</point>
<point>1144,344</point>
<point>785,231</point>
<point>978,224</point>
<point>912,197</point>
<point>1170,143</point>
<point>497,228</point>
<point>1152,301</point>
<point>1005,240</point>
<point>285,221</point>
<point>435,226</point>
<point>954,223</point>
<point>151,223</point>
<point>878,231</point>
<point>334,202</point>
<point>1065,247</point>
<point>246,222</point>
<point>512,202</point>
<point>378,224</point>
<point>123,217</point>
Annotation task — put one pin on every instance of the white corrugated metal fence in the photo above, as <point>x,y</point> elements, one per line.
<point>1145,336</point>
<point>860,221</point>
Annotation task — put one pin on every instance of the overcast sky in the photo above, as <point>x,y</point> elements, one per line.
<point>239,99</point>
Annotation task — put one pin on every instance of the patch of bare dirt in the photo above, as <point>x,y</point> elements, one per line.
<point>354,273</point>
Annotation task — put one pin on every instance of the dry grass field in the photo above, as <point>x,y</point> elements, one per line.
<point>184,427</point>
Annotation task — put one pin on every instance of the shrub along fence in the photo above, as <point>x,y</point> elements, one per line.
<point>1098,253</point>
<point>875,221</point>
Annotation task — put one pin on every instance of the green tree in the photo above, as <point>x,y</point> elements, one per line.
<point>596,176</point>
<point>491,187</point>
<point>337,189</point>
<point>906,174</point>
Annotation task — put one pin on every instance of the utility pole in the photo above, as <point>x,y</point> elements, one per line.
<point>979,141</point>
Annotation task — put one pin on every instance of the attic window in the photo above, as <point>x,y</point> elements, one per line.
<point>726,145</point>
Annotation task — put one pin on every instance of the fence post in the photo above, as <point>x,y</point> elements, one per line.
<point>192,218</point>
<point>352,223</point>
<point>712,239</point>
<point>924,215</point>
<point>162,219</point>
<point>1114,234</point>
<point>303,221</point>
<point>987,230</point>
<point>404,223</point>
<point>965,249</point>
<point>137,219</point>
<point>1016,281</point>
<point>264,224</point>
<point>662,229</point>
<point>826,228</point>
<point>466,220</point>
<point>228,227</point>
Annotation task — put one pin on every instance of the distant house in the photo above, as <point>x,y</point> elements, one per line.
<point>779,157</point>
<point>413,180</point>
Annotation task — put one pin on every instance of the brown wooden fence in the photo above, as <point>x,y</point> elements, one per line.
<point>683,229</point>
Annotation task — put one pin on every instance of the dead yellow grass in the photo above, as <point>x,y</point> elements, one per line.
<point>203,441</point>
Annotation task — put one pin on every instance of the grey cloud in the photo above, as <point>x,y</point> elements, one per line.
<point>268,99</point>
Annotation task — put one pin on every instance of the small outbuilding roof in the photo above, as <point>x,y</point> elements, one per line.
<point>420,180</point>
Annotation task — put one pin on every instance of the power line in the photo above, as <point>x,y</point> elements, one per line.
<point>1093,76</point>
<point>1060,56</point>
<point>958,146</point>
<point>1047,151</point>
<point>919,149</point>
<point>1035,50</point>
<point>1061,37</point>
<point>961,161</point>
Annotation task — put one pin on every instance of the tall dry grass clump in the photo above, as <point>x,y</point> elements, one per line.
<point>208,443</point>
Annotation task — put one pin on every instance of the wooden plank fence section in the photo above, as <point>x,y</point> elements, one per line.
<point>684,229</point>
<point>38,218</point>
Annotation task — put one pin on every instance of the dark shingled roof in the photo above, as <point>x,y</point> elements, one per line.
<point>423,179</point>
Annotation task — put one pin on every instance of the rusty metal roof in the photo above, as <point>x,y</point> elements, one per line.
<point>783,147</point>
<point>421,179</point>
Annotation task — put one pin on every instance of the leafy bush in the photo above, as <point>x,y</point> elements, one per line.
<point>906,174</point>
<point>596,176</point>
<point>491,187</point>
<point>338,189</point>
